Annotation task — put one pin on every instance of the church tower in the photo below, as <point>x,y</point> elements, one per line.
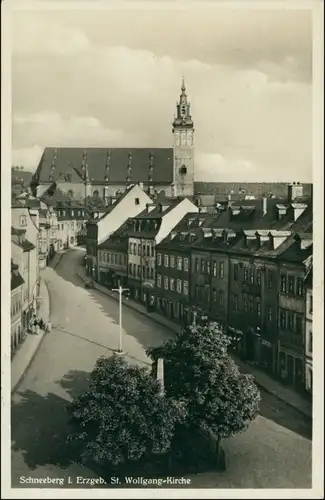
<point>183,132</point>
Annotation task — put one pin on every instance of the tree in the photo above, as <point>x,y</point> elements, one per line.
<point>199,370</point>
<point>123,416</point>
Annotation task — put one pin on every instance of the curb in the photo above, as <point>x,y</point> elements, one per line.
<point>276,395</point>
<point>155,320</point>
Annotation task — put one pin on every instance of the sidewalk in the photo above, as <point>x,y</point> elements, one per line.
<point>274,387</point>
<point>27,351</point>
<point>263,380</point>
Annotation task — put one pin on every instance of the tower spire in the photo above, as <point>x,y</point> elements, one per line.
<point>183,88</point>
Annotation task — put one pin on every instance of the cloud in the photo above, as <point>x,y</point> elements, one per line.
<point>112,86</point>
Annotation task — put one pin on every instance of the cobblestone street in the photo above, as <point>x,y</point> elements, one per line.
<point>84,327</point>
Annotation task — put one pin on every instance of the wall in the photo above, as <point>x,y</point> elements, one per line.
<point>172,218</point>
<point>131,205</point>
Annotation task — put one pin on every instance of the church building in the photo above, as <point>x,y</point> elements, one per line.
<point>107,172</point>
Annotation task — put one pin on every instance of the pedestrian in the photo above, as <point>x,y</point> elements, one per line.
<point>37,328</point>
<point>49,327</point>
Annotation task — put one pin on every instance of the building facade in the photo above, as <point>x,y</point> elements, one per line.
<point>149,228</point>
<point>16,308</point>
<point>113,259</point>
<point>309,330</point>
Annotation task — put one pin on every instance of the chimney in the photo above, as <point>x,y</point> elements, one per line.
<point>294,190</point>
<point>160,375</point>
<point>141,185</point>
<point>264,205</point>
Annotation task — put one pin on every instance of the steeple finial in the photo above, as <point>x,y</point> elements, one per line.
<point>183,88</point>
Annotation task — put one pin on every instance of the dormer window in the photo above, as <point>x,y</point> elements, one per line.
<point>183,170</point>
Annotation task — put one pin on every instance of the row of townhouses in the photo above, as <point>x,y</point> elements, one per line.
<point>39,229</point>
<point>247,265</point>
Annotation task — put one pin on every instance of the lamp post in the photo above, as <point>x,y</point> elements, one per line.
<point>120,291</point>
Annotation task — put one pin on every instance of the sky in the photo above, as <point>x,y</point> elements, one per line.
<point>111,78</point>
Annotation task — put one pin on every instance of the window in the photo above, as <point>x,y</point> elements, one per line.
<point>179,286</point>
<point>269,314</point>
<point>134,270</point>
<point>236,272</point>
<point>137,201</point>
<point>283,283</point>
<point>166,282</point>
<point>185,288</point>
<point>152,251</point>
<point>300,287</point>
<point>185,264</point>
<point>221,298</point>
<point>120,259</point>
<point>298,325</point>
<point>282,320</point>
<point>139,249</point>
<point>79,213</point>
<point>291,285</point>
<point>172,261</point>
<point>258,277</point>
<point>172,284</point>
<point>130,269</point>
<point>235,298</point>
<point>63,213</point>
<point>214,295</point>
<point>246,272</point>
<point>72,213</point>
<point>179,263</point>
<point>310,309</point>
<point>23,220</point>
<point>270,279</point>
<point>143,250</point>
<point>310,341</point>
<point>166,260</point>
<point>108,257</point>
<point>139,271</point>
<point>159,280</point>
<point>252,275</point>
<point>221,269</point>
<point>208,267</point>
<point>245,303</point>
<point>214,268</point>
<point>158,259</point>
<point>151,273</point>
<point>130,248</point>
<point>291,321</point>
<point>251,304</point>
<point>148,251</point>
<point>196,265</point>
<point>202,266</point>
<point>258,307</point>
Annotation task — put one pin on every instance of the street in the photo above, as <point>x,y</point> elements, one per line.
<point>85,326</point>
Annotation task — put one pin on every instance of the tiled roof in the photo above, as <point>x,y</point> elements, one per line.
<point>257,189</point>
<point>16,278</point>
<point>17,232</point>
<point>22,177</point>
<point>69,160</point>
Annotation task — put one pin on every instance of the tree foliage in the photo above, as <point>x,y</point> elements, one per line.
<point>199,370</point>
<point>122,416</point>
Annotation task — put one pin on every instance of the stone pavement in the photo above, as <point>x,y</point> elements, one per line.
<point>27,351</point>
<point>289,396</point>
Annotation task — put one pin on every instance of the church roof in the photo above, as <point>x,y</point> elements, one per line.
<point>70,160</point>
